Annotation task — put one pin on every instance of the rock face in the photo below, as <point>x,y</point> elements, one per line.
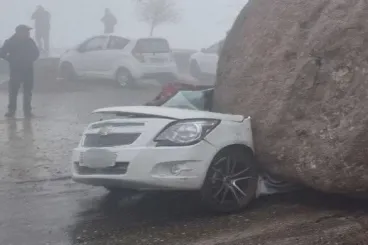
<point>300,70</point>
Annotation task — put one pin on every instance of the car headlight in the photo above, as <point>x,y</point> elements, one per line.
<point>185,132</point>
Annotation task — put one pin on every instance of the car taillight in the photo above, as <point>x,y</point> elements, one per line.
<point>138,56</point>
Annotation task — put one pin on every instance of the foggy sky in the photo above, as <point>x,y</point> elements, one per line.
<point>203,22</point>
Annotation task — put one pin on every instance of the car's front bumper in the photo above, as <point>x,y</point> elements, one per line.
<point>151,167</point>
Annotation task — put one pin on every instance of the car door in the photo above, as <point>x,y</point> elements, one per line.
<point>114,53</point>
<point>210,59</point>
<point>90,52</point>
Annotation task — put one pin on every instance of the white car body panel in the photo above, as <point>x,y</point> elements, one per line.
<point>207,62</point>
<point>149,165</point>
<point>207,59</point>
<point>106,62</point>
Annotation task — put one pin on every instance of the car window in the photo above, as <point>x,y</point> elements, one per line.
<point>152,45</point>
<point>96,43</point>
<point>117,43</point>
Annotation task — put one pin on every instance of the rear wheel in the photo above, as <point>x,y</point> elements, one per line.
<point>67,72</point>
<point>231,181</point>
<point>124,78</point>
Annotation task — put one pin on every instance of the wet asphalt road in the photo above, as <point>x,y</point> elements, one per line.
<point>39,204</point>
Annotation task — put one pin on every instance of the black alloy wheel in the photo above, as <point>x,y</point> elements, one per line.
<point>232,180</point>
<point>124,78</point>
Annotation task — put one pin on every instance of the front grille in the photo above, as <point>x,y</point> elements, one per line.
<point>118,169</point>
<point>110,140</point>
<point>117,124</point>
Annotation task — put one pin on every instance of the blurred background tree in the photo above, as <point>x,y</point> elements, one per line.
<point>158,12</point>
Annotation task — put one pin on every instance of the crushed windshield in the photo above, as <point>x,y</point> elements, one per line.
<point>193,100</point>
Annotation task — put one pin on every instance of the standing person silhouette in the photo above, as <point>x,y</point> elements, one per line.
<point>42,28</point>
<point>109,21</point>
<point>21,52</point>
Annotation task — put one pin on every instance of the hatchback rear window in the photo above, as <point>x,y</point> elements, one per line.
<point>152,45</point>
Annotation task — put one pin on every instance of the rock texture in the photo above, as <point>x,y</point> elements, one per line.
<point>300,70</point>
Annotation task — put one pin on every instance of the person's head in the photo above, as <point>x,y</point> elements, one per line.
<point>107,11</point>
<point>40,8</point>
<point>23,31</point>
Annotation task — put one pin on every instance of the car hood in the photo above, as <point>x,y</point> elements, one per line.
<point>166,112</point>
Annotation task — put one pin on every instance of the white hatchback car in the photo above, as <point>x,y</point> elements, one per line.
<point>121,59</point>
<point>149,148</point>
<point>205,61</point>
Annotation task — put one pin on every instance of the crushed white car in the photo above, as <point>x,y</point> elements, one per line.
<point>150,148</point>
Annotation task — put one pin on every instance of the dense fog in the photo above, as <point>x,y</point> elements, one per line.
<point>202,22</point>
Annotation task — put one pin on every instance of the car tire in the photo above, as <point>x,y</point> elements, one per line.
<point>195,70</point>
<point>124,78</point>
<point>231,181</point>
<point>67,72</point>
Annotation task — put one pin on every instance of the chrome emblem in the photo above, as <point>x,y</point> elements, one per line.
<point>105,131</point>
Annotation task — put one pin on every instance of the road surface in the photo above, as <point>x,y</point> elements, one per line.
<point>41,205</point>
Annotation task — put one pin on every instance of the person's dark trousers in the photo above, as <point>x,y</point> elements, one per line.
<point>18,78</point>
<point>109,29</point>
<point>46,41</point>
<point>43,40</point>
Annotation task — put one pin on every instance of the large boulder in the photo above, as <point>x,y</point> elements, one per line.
<point>300,70</point>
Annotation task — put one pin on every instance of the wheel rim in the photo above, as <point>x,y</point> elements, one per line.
<point>123,79</point>
<point>230,181</point>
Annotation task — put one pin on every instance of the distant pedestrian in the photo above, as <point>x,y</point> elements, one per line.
<point>21,52</point>
<point>42,28</point>
<point>109,21</point>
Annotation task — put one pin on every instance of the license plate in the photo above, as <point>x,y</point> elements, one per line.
<point>97,158</point>
<point>158,60</point>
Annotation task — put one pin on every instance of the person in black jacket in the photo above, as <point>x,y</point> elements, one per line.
<point>42,28</point>
<point>109,21</point>
<point>21,52</point>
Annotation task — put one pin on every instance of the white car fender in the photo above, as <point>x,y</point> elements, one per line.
<point>123,63</point>
<point>232,133</point>
<point>194,57</point>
